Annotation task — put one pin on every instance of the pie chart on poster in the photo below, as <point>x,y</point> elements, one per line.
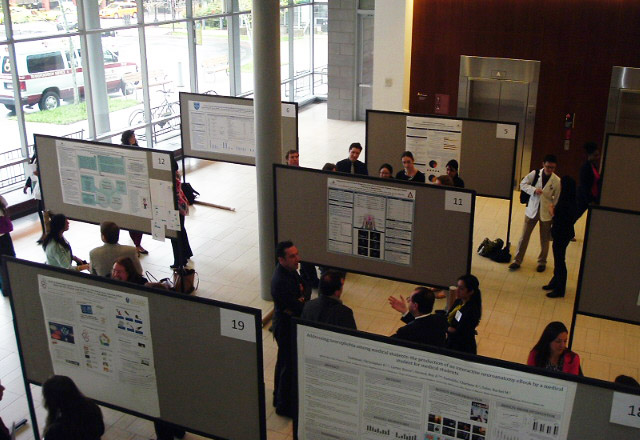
<point>433,164</point>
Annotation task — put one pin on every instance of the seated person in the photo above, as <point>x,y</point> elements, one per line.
<point>422,326</point>
<point>329,167</point>
<point>443,180</point>
<point>452,171</point>
<point>351,164</point>
<point>327,308</point>
<point>124,270</point>
<point>551,351</point>
<point>410,172</point>
<point>101,258</point>
<point>57,248</point>
<point>385,171</point>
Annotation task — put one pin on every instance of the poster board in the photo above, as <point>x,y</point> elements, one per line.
<point>94,181</point>
<point>621,172</point>
<point>195,370</point>
<point>392,229</point>
<point>221,128</point>
<point>608,283</point>
<point>486,150</point>
<point>373,387</point>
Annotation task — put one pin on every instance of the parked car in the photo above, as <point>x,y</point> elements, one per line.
<point>46,75</point>
<point>119,9</point>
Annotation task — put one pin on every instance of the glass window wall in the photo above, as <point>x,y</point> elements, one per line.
<point>189,45</point>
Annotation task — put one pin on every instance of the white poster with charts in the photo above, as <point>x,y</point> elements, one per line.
<point>354,388</point>
<point>102,339</point>
<point>433,142</point>
<point>108,179</point>
<point>221,128</point>
<point>370,220</point>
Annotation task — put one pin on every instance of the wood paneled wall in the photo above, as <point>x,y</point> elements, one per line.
<point>576,41</point>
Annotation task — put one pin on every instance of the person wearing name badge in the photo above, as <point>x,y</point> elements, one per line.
<point>351,164</point>
<point>464,315</point>
<point>57,248</point>
<point>385,171</point>
<point>409,171</point>
<point>551,351</point>
<point>129,139</point>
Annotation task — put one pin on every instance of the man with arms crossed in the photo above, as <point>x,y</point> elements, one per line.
<point>351,164</point>
<point>543,187</point>
<point>422,326</point>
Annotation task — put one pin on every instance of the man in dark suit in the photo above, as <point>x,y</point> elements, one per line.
<point>287,291</point>
<point>351,164</point>
<point>328,307</point>
<point>422,326</point>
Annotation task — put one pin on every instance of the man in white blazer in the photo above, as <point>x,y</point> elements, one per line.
<point>543,187</point>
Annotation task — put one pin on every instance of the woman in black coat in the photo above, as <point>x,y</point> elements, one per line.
<point>464,315</point>
<point>564,216</point>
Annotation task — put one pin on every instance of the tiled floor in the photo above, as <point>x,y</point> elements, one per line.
<point>226,256</point>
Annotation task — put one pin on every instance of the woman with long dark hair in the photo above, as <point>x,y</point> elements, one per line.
<point>57,249</point>
<point>551,351</point>
<point>464,315</point>
<point>564,216</point>
<point>70,415</point>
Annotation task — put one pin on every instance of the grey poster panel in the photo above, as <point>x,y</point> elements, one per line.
<point>289,128</point>
<point>621,173</point>
<point>206,382</point>
<point>441,248</point>
<point>50,183</point>
<point>487,162</point>
<point>590,416</point>
<point>609,285</point>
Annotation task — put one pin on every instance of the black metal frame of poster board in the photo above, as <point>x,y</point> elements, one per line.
<point>163,303</point>
<point>592,402</point>
<point>611,288</point>
<point>487,169</point>
<point>426,253</point>
<point>184,134</point>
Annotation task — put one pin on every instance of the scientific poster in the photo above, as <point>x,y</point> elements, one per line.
<point>370,221</point>
<point>102,339</point>
<point>109,179</point>
<point>221,128</point>
<point>352,388</point>
<point>433,142</point>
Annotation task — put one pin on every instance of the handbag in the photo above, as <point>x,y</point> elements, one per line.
<point>5,224</point>
<point>185,280</point>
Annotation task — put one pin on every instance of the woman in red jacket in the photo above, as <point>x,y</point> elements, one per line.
<point>551,351</point>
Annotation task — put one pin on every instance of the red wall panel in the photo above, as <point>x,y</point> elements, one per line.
<point>576,41</point>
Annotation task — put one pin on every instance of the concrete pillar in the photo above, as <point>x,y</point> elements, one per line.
<point>95,58</point>
<point>268,114</point>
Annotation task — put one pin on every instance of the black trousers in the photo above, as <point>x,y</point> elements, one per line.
<point>559,280</point>
<point>167,431</point>
<point>181,248</point>
<point>283,397</point>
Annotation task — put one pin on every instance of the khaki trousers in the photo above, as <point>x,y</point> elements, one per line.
<point>545,237</point>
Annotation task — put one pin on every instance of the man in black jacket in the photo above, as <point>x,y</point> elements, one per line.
<point>328,307</point>
<point>351,164</point>
<point>287,291</point>
<point>422,326</point>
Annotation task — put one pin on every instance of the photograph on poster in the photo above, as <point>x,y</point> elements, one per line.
<point>102,339</point>
<point>370,221</point>
<point>111,180</point>
<point>398,392</point>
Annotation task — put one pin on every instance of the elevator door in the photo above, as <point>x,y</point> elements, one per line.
<point>502,100</point>
<point>628,117</point>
